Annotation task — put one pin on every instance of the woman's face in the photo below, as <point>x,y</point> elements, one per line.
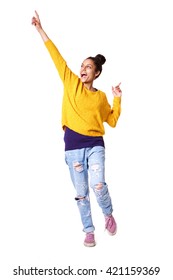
<point>88,71</point>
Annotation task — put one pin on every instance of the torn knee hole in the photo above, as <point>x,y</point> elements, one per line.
<point>99,186</point>
<point>80,198</point>
<point>77,166</point>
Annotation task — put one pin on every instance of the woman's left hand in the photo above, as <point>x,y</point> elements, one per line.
<point>116,91</point>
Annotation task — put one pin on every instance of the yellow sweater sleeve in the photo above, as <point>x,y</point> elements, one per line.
<point>58,60</point>
<point>115,112</point>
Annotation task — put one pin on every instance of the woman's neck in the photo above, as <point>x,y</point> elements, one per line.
<point>89,87</point>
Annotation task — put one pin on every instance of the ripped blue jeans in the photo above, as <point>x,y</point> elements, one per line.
<point>87,169</point>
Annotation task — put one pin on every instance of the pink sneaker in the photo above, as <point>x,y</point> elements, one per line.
<point>89,240</point>
<point>110,225</point>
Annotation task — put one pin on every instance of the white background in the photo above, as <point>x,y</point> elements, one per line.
<point>40,223</point>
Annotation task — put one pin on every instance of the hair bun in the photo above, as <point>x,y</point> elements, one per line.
<point>100,58</point>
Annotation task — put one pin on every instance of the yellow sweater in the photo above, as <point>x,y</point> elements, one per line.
<point>83,111</point>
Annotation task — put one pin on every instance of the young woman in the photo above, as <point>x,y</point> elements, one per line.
<point>84,110</point>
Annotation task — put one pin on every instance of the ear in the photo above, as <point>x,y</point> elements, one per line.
<point>97,74</point>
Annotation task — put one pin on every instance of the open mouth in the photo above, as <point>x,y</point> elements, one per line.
<point>83,75</point>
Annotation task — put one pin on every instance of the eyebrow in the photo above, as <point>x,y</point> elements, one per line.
<point>87,64</point>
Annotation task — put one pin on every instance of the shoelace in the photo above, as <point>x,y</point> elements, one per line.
<point>90,236</point>
<point>109,221</point>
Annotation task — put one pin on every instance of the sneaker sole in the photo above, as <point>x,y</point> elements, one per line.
<point>89,244</point>
<point>110,233</point>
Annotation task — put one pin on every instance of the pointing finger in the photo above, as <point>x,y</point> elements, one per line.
<point>37,15</point>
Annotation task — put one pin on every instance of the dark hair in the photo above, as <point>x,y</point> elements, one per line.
<point>98,60</point>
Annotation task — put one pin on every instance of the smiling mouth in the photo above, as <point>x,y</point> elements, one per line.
<point>83,75</point>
